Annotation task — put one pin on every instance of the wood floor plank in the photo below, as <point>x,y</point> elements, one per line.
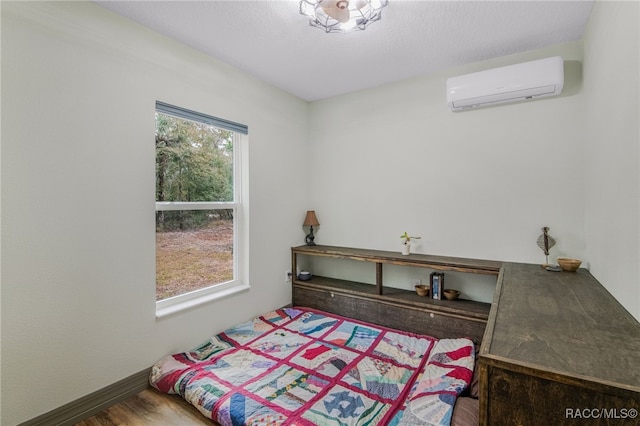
<point>149,407</point>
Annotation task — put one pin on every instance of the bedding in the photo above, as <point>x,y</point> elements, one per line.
<point>299,366</point>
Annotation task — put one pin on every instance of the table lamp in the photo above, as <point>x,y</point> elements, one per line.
<point>310,220</point>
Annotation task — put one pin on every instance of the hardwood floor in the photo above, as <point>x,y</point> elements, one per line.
<point>149,407</point>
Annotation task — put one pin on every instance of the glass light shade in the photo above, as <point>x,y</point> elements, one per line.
<point>360,13</point>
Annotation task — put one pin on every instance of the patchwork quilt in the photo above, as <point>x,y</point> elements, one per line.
<point>298,366</point>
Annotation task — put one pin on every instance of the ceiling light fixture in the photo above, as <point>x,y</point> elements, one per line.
<point>341,16</point>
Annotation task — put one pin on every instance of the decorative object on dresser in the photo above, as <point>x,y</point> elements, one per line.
<point>451,294</point>
<point>406,243</point>
<point>310,220</point>
<point>304,276</point>
<point>545,242</point>
<point>436,284</point>
<point>422,290</point>
<point>568,264</point>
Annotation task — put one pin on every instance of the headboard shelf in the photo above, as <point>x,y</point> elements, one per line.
<point>394,307</point>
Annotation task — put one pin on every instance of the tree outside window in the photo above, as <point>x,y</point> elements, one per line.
<point>195,205</point>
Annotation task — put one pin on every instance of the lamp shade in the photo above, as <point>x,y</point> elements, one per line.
<point>311,219</point>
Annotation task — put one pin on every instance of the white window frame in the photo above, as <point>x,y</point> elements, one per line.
<point>175,304</point>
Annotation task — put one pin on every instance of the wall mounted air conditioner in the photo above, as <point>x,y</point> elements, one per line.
<point>513,83</point>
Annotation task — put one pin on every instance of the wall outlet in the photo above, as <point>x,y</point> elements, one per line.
<point>416,281</point>
<point>287,276</point>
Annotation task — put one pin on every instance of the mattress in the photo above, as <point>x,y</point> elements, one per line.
<point>299,366</point>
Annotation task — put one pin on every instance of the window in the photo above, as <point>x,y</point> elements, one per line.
<point>198,208</point>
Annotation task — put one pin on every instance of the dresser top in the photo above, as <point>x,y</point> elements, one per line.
<point>565,323</point>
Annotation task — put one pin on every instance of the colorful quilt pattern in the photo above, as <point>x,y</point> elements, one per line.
<point>297,366</point>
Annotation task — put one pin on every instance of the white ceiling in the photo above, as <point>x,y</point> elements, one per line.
<point>274,42</point>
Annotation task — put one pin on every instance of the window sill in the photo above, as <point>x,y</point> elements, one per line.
<point>192,303</point>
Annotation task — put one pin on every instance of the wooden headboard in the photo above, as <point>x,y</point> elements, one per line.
<point>391,307</point>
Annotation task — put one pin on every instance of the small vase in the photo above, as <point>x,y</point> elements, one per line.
<point>406,249</point>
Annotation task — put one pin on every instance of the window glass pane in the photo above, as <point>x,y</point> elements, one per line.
<point>194,161</point>
<point>194,250</point>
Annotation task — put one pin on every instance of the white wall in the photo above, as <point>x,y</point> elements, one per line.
<point>78,92</point>
<point>611,149</point>
<point>477,184</point>
<point>482,183</point>
<point>79,86</point>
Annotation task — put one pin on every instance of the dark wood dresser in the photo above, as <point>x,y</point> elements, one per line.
<point>558,349</point>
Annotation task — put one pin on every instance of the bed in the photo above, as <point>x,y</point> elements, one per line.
<point>301,366</point>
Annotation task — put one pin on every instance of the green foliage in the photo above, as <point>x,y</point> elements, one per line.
<point>194,162</point>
